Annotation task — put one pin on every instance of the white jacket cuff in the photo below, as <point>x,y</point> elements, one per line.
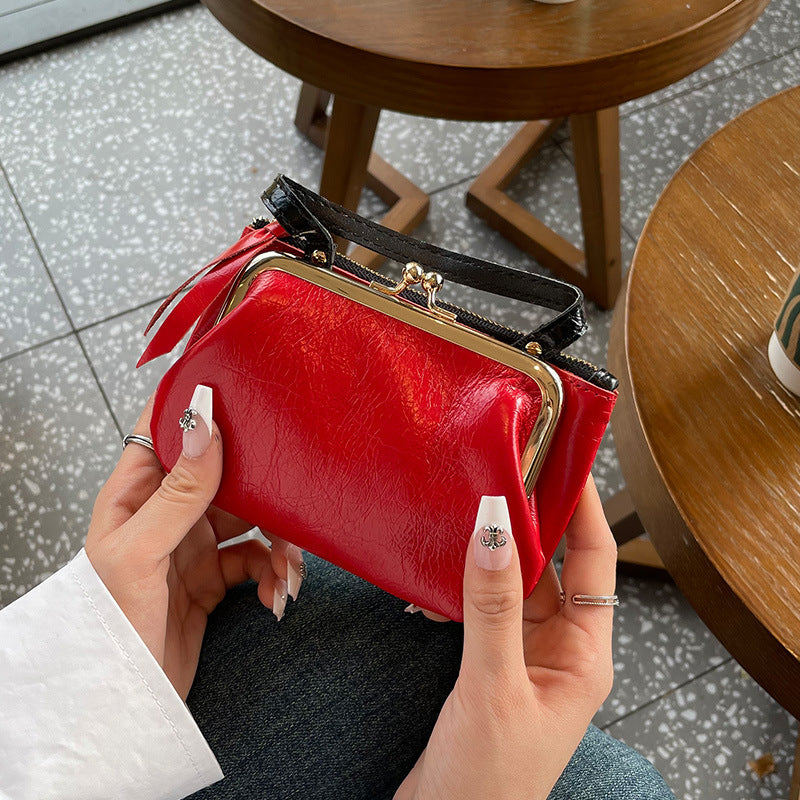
<point>86,709</point>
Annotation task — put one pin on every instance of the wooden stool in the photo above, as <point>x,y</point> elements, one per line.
<point>512,60</point>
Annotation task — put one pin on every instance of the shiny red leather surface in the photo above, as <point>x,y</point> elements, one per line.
<point>369,442</point>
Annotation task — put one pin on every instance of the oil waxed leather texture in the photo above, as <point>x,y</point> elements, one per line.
<point>370,442</point>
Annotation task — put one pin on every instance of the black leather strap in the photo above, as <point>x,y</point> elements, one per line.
<point>312,221</point>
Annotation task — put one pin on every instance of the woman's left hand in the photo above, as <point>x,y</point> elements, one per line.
<point>153,541</point>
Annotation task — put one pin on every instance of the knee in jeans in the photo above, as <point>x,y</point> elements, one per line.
<point>603,768</point>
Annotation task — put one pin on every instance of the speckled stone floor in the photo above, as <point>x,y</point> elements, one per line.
<point>129,158</point>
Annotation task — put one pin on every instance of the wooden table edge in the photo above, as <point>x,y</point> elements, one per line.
<point>514,93</point>
<point>746,638</point>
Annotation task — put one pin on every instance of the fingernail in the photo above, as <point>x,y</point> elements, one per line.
<point>412,608</point>
<point>279,598</point>
<point>196,422</point>
<point>491,541</point>
<point>295,570</point>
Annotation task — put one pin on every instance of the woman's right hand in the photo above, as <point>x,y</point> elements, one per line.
<point>533,672</point>
<point>154,540</point>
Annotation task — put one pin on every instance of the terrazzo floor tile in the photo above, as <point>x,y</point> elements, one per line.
<point>775,33</point>
<point>702,736</point>
<point>655,142</point>
<point>30,311</point>
<point>59,444</point>
<point>136,153</point>
<point>435,153</point>
<point>659,644</point>
<point>114,348</point>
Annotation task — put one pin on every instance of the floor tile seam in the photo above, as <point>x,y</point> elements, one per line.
<point>36,346</point>
<point>100,386</point>
<point>454,184</point>
<point>82,328</point>
<point>710,82</point>
<point>123,312</point>
<point>654,700</point>
<point>565,153</point>
<point>61,337</point>
<point>37,247</point>
<point>60,299</point>
<point>634,239</point>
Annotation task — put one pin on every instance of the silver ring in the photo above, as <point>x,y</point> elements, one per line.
<point>595,599</point>
<point>303,570</point>
<point>135,438</point>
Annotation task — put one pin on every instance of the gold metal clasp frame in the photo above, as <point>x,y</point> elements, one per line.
<point>434,321</point>
<point>431,282</point>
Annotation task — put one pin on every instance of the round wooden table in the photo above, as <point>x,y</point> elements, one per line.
<point>505,60</point>
<point>708,440</point>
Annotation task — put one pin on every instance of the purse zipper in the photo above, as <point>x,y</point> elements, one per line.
<point>365,273</point>
<point>585,369</point>
<point>577,366</point>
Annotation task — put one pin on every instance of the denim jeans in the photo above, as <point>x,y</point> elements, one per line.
<point>338,699</point>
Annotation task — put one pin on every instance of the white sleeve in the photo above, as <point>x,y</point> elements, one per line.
<point>85,710</point>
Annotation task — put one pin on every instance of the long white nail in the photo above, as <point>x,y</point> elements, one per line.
<point>295,570</point>
<point>491,541</point>
<point>196,422</point>
<point>279,598</point>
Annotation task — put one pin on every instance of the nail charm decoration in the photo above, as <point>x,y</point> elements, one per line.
<point>496,537</point>
<point>197,437</point>
<point>492,537</point>
<point>187,421</point>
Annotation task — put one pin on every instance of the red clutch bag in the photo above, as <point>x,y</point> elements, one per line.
<point>363,420</point>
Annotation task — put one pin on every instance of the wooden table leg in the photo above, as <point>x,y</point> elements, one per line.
<point>595,141</point>
<point>622,517</point>
<point>311,117</point>
<point>350,129</point>
<point>348,143</point>
<point>632,547</point>
<point>595,138</point>
<point>486,198</point>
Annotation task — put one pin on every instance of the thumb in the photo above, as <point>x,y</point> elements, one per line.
<point>187,490</point>
<point>492,597</point>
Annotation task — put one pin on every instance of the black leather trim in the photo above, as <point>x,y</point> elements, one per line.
<point>286,205</point>
<point>311,220</point>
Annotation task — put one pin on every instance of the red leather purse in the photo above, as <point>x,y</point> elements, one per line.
<point>362,420</point>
